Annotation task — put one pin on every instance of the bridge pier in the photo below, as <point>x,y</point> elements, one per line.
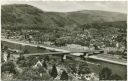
<point>64,57</point>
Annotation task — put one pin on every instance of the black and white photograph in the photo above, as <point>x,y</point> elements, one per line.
<point>63,40</point>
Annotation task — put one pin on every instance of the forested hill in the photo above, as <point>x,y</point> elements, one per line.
<point>27,16</point>
<point>81,27</point>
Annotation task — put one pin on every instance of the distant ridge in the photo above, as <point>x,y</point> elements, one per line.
<point>24,15</point>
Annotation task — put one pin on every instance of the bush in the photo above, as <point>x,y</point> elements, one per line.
<point>23,63</point>
<point>45,65</point>
<point>20,58</point>
<point>29,74</point>
<point>6,76</point>
<point>9,66</point>
<point>105,74</point>
<point>72,68</point>
<point>25,51</point>
<point>32,60</point>
<point>84,70</point>
<point>115,77</point>
<point>115,52</point>
<point>64,76</point>
<point>45,76</point>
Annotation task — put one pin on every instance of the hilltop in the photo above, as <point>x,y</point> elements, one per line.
<point>27,16</point>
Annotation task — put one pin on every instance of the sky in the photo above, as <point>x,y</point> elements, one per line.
<point>68,6</point>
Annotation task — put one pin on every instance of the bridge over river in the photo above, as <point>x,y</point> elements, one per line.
<point>118,66</point>
<point>96,54</point>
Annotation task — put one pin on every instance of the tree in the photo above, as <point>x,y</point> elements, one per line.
<point>60,42</point>
<point>22,61</point>
<point>54,71</point>
<point>72,67</point>
<point>41,69</point>
<point>64,75</point>
<point>45,76</point>
<point>6,76</point>
<point>84,70</point>
<point>21,57</point>
<point>8,56</point>
<point>105,74</point>
<point>62,60</point>
<point>25,51</point>
<point>46,58</point>
<point>29,74</point>
<point>8,66</point>
<point>45,65</point>
<point>96,47</point>
<point>32,60</point>
<point>5,48</point>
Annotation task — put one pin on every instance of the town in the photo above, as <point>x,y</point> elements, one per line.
<point>86,45</point>
<point>55,65</point>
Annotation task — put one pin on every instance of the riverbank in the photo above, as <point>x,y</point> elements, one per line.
<point>103,57</point>
<point>107,58</point>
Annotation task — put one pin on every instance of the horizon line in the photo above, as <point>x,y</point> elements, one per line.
<point>67,11</point>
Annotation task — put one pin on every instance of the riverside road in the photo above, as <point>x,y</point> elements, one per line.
<point>102,57</point>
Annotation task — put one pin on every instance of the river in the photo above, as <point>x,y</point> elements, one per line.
<point>121,70</point>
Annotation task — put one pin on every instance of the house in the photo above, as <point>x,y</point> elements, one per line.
<point>76,47</point>
<point>91,47</point>
<point>48,43</point>
<point>37,65</point>
<point>5,56</point>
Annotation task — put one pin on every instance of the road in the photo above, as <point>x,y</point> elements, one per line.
<point>33,45</point>
<point>102,57</point>
<point>109,59</point>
